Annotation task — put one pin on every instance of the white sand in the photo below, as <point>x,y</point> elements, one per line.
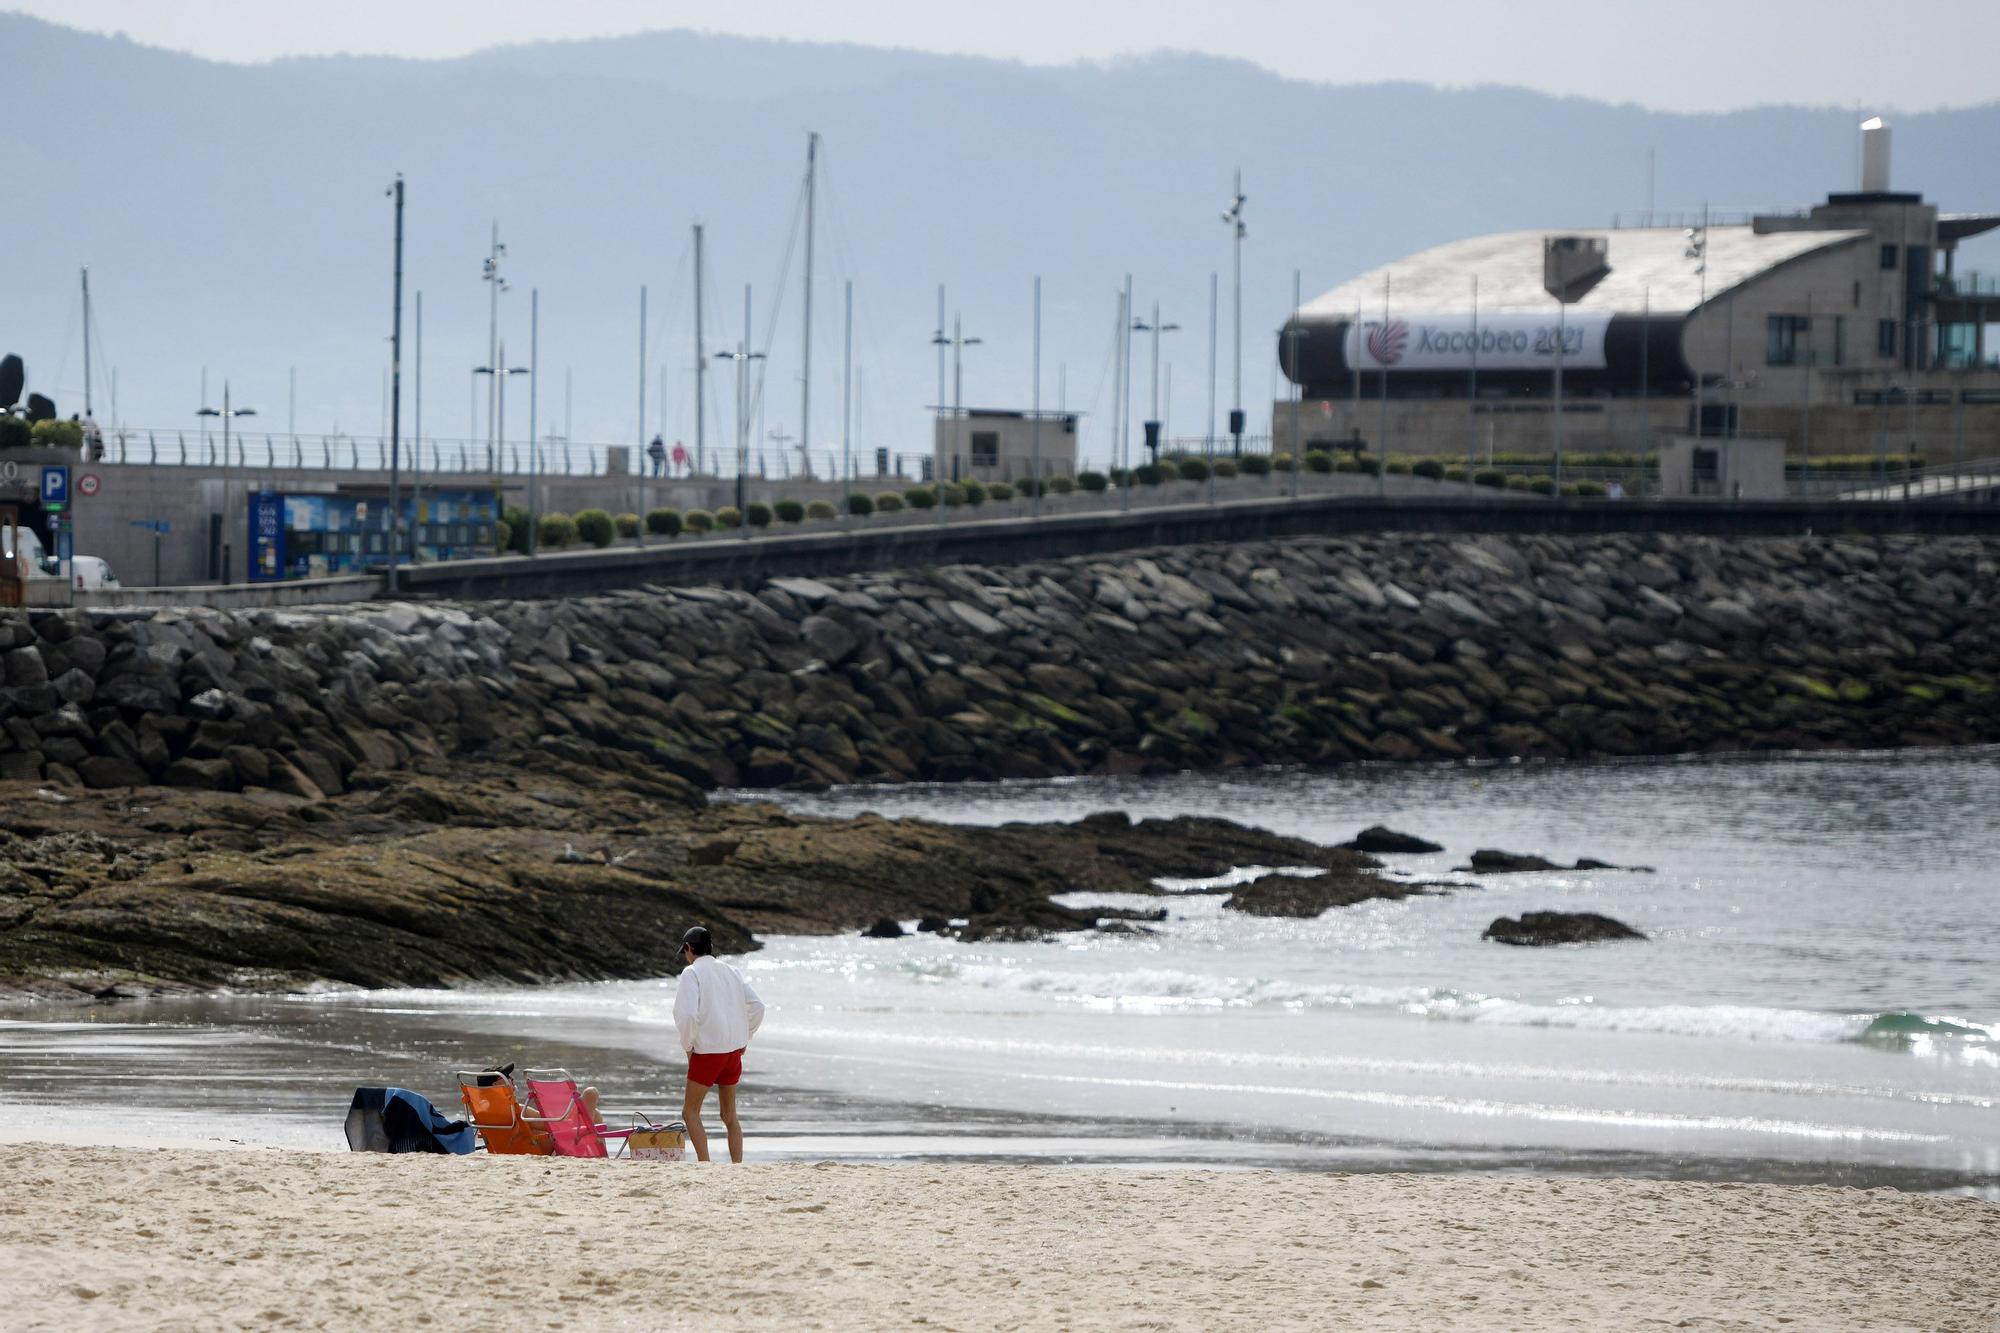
<point>143,1238</point>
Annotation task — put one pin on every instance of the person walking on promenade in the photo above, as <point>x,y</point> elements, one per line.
<point>717,1014</point>
<point>657,452</point>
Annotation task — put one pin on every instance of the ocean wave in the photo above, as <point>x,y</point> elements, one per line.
<point>1156,989</point>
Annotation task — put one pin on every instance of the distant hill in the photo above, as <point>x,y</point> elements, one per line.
<point>233,216</point>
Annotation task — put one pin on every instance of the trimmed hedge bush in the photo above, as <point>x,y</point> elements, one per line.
<point>758,513</point>
<point>1194,469</point>
<point>859,505</point>
<point>1094,482</point>
<point>15,433</point>
<point>1064,485</point>
<point>1029,487</point>
<point>1489,477</point>
<point>1255,465</point>
<point>1282,462</point>
<point>503,535</point>
<point>663,522</point>
<point>557,530</point>
<point>1398,467</point>
<point>1319,460</point>
<point>1590,490</point>
<point>1456,473</point>
<point>975,492</point>
<point>1348,465</point>
<point>54,434</point>
<point>1516,482</point>
<point>519,524</point>
<point>922,497</point>
<point>821,509</point>
<point>888,502</point>
<point>1225,467</point>
<point>728,516</point>
<point>594,526</point>
<point>1149,474</point>
<point>1542,485</point>
<point>1425,467</point>
<point>698,520</point>
<point>628,525</point>
<point>788,511</point>
<point>1568,488</point>
<point>999,491</point>
<point>1371,466</point>
<point>953,495</point>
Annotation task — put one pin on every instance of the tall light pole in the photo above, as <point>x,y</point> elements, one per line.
<point>1156,328</point>
<point>490,274</point>
<point>958,342</point>
<point>1233,216</point>
<point>742,356</point>
<point>396,401</point>
<point>499,370</point>
<point>1208,433</point>
<point>226,412</point>
<point>534,406</point>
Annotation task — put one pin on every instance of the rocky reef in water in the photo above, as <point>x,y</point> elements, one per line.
<point>499,876</point>
<point>1312,651</point>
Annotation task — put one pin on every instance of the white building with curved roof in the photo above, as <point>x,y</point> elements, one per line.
<point>1844,328</point>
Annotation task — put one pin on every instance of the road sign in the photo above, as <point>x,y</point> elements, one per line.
<point>87,484</point>
<point>55,485</point>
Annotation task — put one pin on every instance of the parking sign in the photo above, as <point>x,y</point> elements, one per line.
<point>55,485</point>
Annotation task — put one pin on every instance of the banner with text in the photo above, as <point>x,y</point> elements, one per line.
<point>1506,340</point>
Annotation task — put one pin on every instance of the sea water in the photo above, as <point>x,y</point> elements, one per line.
<point>1818,998</point>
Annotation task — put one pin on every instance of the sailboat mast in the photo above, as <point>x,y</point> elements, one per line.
<point>86,342</point>
<point>700,357</point>
<point>806,388</point>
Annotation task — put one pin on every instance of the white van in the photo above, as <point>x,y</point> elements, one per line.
<point>86,571</point>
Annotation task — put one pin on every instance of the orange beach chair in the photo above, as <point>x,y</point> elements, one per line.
<point>493,1109</point>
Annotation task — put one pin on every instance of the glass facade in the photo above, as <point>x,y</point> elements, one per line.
<point>319,536</point>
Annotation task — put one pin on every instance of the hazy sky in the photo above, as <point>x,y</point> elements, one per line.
<point>1689,55</point>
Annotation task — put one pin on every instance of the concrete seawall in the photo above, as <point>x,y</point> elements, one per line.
<point>1317,650</point>
<point>1009,540</point>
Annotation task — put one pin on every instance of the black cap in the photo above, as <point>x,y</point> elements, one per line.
<point>697,938</point>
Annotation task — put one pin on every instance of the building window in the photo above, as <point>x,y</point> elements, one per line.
<point>985,448</point>
<point>1885,337</point>
<point>1784,339</point>
<point>1839,340</point>
<point>1888,257</point>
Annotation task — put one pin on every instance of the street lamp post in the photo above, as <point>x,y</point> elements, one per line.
<point>490,273</point>
<point>499,394</point>
<point>226,412</point>
<point>958,342</point>
<point>1233,216</point>
<point>742,356</point>
<point>1156,328</point>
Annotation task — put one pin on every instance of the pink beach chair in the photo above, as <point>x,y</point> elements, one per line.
<point>558,1107</point>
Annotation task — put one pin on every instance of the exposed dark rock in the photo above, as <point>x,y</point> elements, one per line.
<point>1488,861</point>
<point>1538,928</point>
<point>1351,878</point>
<point>932,925</point>
<point>887,928</point>
<point>1381,841</point>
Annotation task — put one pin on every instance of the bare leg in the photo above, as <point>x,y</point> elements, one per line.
<point>691,1114</point>
<point>725,1096</point>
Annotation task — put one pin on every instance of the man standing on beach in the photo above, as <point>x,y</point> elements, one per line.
<point>717,1014</point>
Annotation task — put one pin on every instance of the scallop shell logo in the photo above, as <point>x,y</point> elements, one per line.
<point>1388,341</point>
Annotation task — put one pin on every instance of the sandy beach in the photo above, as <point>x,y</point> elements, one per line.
<point>110,1238</point>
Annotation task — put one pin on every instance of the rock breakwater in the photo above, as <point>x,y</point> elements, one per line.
<point>1309,650</point>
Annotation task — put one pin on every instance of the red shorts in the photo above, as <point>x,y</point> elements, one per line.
<point>723,1067</point>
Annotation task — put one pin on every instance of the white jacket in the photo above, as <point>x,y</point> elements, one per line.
<point>714,1008</point>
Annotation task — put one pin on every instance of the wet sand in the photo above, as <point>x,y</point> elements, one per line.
<point>112,1238</point>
